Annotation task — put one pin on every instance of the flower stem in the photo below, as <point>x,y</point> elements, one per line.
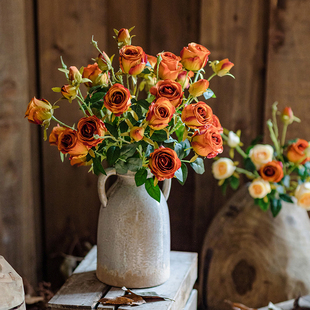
<point>212,76</point>
<point>246,172</point>
<point>61,123</point>
<point>238,148</point>
<point>284,134</point>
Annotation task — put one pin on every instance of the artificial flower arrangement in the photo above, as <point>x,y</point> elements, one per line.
<point>144,117</point>
<point>277,172</point>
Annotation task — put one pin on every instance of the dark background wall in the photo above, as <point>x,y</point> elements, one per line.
<point>48,208</point>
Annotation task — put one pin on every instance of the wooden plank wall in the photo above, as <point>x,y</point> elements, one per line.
<point>268,40</point>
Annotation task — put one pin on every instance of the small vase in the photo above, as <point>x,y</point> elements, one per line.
<point>133,240</point>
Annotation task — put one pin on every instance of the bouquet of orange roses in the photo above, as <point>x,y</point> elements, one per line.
<point>144,116</point>
<point>277,172</point>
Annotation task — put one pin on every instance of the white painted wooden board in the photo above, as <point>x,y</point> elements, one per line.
<point>304,301</point>
<point>82,290</point>
<point>192,301</point>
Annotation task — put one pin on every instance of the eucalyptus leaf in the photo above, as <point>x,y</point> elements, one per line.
<point>128,150</point>
<point>184,172</point>
<point>208,94</point>
<point>153,191</point>
<point>121,167</point>
<point>198,166</point>
<point>134,164</point>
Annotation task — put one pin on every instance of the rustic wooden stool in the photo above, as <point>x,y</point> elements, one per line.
<point>83,290</point>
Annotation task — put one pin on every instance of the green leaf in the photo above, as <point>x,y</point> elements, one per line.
<point>149,150</point>
<point>98,166</point>
<point>179,133</point>
<point>159,135</point>
<point>112,129</point>
<point>224,187</point>
<point>261,203</point>
<point>182,149</point>
<point>248,164</point>
<point>113,154</point>
<point>144,104</point>
<point>198,166</point>
<point>97,96</point>
<point>208,94</point>
<point>134,164</point>
<point>286,181</point>
<point>138,110</point>
<point>62,156</point>
<point>286,197</point>
<point>121,167</point>
<point>123,126</point>
<point>153,191</point>
<point>146,71</point>
<point>181,174</point>
<point>275,206</point>
<point>234,182</point>
<point>128,150</point>
<point>141,176</point>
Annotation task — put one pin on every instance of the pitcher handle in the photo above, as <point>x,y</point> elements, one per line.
<point>166,188</point>
<point>101,185</point>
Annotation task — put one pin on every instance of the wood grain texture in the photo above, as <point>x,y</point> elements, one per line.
<point>255,258</point>
<point>17,239</point>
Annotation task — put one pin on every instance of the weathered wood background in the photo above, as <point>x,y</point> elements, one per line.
<point>48,208</point>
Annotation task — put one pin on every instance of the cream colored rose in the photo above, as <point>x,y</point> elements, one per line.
<point>259,188</point>
<point>302,195</point>
<point>223,168</point>
<point>261,154</point>
<point>233,139</point>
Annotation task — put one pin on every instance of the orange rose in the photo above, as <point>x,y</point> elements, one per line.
<point>152,60</point>
<point>68,142</point>
<point>216,123</point>
<point>272,171</point>
<point>132,59</point>
<point>168,89</point>
<point>288,117</point>
<point>183,78</point>
<point>79,160</point>
<point>196,115</point>
<point>198,88</point>
<point>117,99</point>
<point>53,138</point>
<point>93,73</point>
<point>207,142</point>
<point>164,162</point>
<point>123,36</point>
<point>169,67</point>
<point>194,56</point>
<point>137,133</point>
<point>69,92</point>
<point>39,111</point>
<point>87,127</point>
<point>296,152</point>
<point>222,67</point>
<point>160,113</point>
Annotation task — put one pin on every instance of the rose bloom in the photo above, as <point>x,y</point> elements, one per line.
<point>208,142</point>
<point>163,163</point>
<point>68,142</point>
<point>223,168</point>
<point>196,115</point>
<point>53,138</point>
<point>132,59</point>
<point>137,133</point>
<point>93,73</point>
<point>39,111</point>
<point>296,152</point>
<point>233,139</point>
<point>272,171</point>
<point>194,56</point>
<point>259,188</point>
<point>198,88</point>
<point>79,160</point>
<point>169,67</point>
<point>222,67</point>
<point>74,75</point>
<point>152,60</point>
<point>183,78</point>
<point>117,99</point>
<point>216,123</point>
<point>87,127</point>
<point>168,89</point>
<point>69,92</point>
<point>160,113</point>
<point>302,195</point>
<point>261,154</point>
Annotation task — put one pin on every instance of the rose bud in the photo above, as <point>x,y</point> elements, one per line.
<point>261,154</point>
<point>53,138</point>
<point>297,152</point>
<point>216,123</point>
<point>198,88</point>
<point>137,133</point>
<point>194,56</point>
<point>164,162</point>
<point>117,99</point>
<point>104,62</point>
<point>39,112</point>
<point>123,37</point>
<point>68,142</point>
<point>207,142</point>
<point>160,113</point>
<point>272,171</point>
<point>93,73</point>
<point>79,160</point>
<point>74,75</point>
<point>69,92</point>
<point>132,59</point>
<point>288,116</point>
<point>222,67</point>
<point>223,168</point>
<point>183,78</point>
<point>259,188</point>
<point>302,195</point>
<point>88,127</point>
<point>169,67</point>
<point>168,89</point>
<point>196,115</point>
<point>233,139</point>
<point>152,60</point>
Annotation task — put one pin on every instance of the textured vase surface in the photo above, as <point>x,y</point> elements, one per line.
<point>133,241</point>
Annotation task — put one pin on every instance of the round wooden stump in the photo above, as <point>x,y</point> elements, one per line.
<point>252,258</point>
